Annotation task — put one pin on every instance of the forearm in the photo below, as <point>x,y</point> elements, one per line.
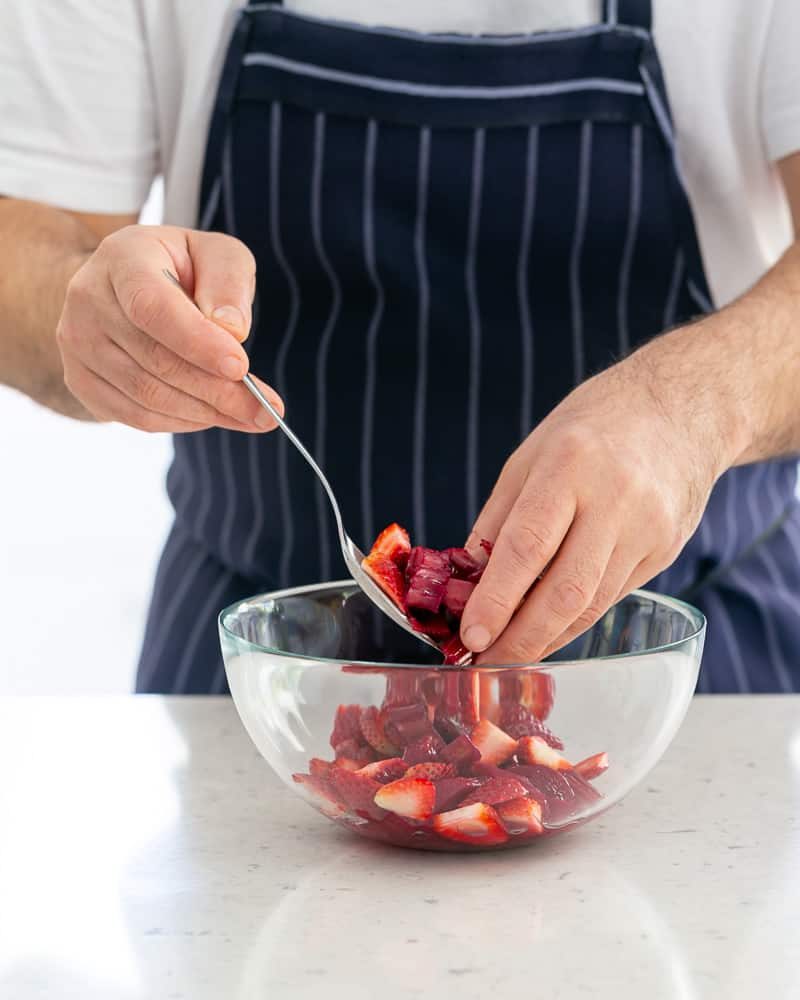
<point>41,248</point>
<point>738,371</point>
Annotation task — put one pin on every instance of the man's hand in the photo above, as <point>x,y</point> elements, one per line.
<point>601,497</point>
<point>136,350</point>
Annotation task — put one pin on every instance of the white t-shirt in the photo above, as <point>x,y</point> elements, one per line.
<point>99,96</point>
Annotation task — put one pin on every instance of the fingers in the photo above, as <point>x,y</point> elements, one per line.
<point>224,280</point>
<point>109,403</point>
<point>497,508</point>
<point>570,591</point>
<point>157,307</point>
<point>609,591</point>
<point>528,540</point>
<point>227,399</point>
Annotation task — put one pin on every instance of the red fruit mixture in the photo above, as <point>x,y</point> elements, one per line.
<point>430,587</point>
<point>456,760</point>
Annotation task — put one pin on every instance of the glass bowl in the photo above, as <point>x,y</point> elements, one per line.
<point>357,717</point>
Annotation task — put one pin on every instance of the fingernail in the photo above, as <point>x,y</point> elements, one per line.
<point>477,638</point>
<point>231,367</point>
<point>229,316</point>
<point>264,419</point>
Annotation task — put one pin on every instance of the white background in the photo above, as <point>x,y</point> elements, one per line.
<point>83,513</point>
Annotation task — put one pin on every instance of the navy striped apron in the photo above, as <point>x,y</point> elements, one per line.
<point>451,233</point>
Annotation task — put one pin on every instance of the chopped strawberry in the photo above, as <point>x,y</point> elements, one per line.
<point>456,595</point>
<point>319,793</point>
<point>552,789</point>
<point>357,791</point>
<point>424,750</point>
<point>533,750</point>
<point>436,627</point>
<point>384,771</point>
<point>592,767</point>
<point>319,768</point>
<point>461,752</point>
<point>373,733</point>
<point>521,816</point>
<point>349,764</point>
<point>537,692</point>
<point>388,576</point>
<point>496,790</point>
<point>347,724</point>
<point>414,798</point>
<point>456,653</point>
<point>394,544</point>
<point>431,770</point>
<point>402,688</point>
<point>477,824</point>
<point>451,700</point>
<point>495,747</point>
<point>451,791</point>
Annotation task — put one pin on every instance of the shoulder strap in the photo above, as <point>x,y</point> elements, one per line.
<point>633,13</point>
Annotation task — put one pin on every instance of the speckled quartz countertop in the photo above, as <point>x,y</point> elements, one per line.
<point>147,852</point>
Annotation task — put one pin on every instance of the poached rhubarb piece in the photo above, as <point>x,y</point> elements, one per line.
<point>430,586</point>
<point>428,768</point>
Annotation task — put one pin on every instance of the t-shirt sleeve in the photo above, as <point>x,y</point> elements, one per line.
<point>78,125</point>
<point>780,81</point>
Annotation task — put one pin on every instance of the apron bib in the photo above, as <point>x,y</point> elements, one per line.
<point>451,233</point>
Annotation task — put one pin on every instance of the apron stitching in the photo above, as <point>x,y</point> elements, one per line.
<point>368,223</point>
<point>288,335</point>
<point>208,213</point>
<point>700,297</point>
<point>327,332</point>
<point>581,215</point>
<point>634,212</point>
<point>611,12</point>
<point>523,286</point>
<point>671,308</point>
<point>470,279</point>
<point>422,334</point>
<point>203,442</point>
<point>410,89</point>
<point>776,659</point>
<point>172,609</point>
<point>226,530</point>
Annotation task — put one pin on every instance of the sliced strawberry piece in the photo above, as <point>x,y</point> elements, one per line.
<point>405,724</point>
<point>423,751</point>
<point>451,700</point>
<point>537,692</point>
<point>552,789</point>
<point>402,688</point>
<point>357,791</point>
<point>348,764</point>
<point>431,770</point>
<point>521,816</point>
<point>477,824</point>
<point>470,690</point>
<point>462,752</point>
<point>384,771</point>
<point>388,576</point>
<point>533,750</point>
<point>373,733</point>
<point>319,768</point>
<point>456,595</point>
<point>593,766</point>
<point>451,791</point>
<point>495,747</point>
<point>319,793</point>
<point>496,790</point>
<point>347,724</point>
<point>414,798</point>
<point>394,544</point>
<point>436,627</point>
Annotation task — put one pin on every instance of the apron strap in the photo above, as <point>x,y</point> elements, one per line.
<point>633,13</point>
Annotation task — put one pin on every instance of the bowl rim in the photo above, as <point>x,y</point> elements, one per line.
<point>693,613</point>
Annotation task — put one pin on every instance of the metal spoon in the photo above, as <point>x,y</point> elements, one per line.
<point>351,553</point>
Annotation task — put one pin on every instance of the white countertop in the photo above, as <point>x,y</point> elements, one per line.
<point>148,853</point>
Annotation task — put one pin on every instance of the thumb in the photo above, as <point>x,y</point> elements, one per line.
<point>224,280</point>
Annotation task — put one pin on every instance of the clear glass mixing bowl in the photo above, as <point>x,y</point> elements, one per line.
<point>342,704</point>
